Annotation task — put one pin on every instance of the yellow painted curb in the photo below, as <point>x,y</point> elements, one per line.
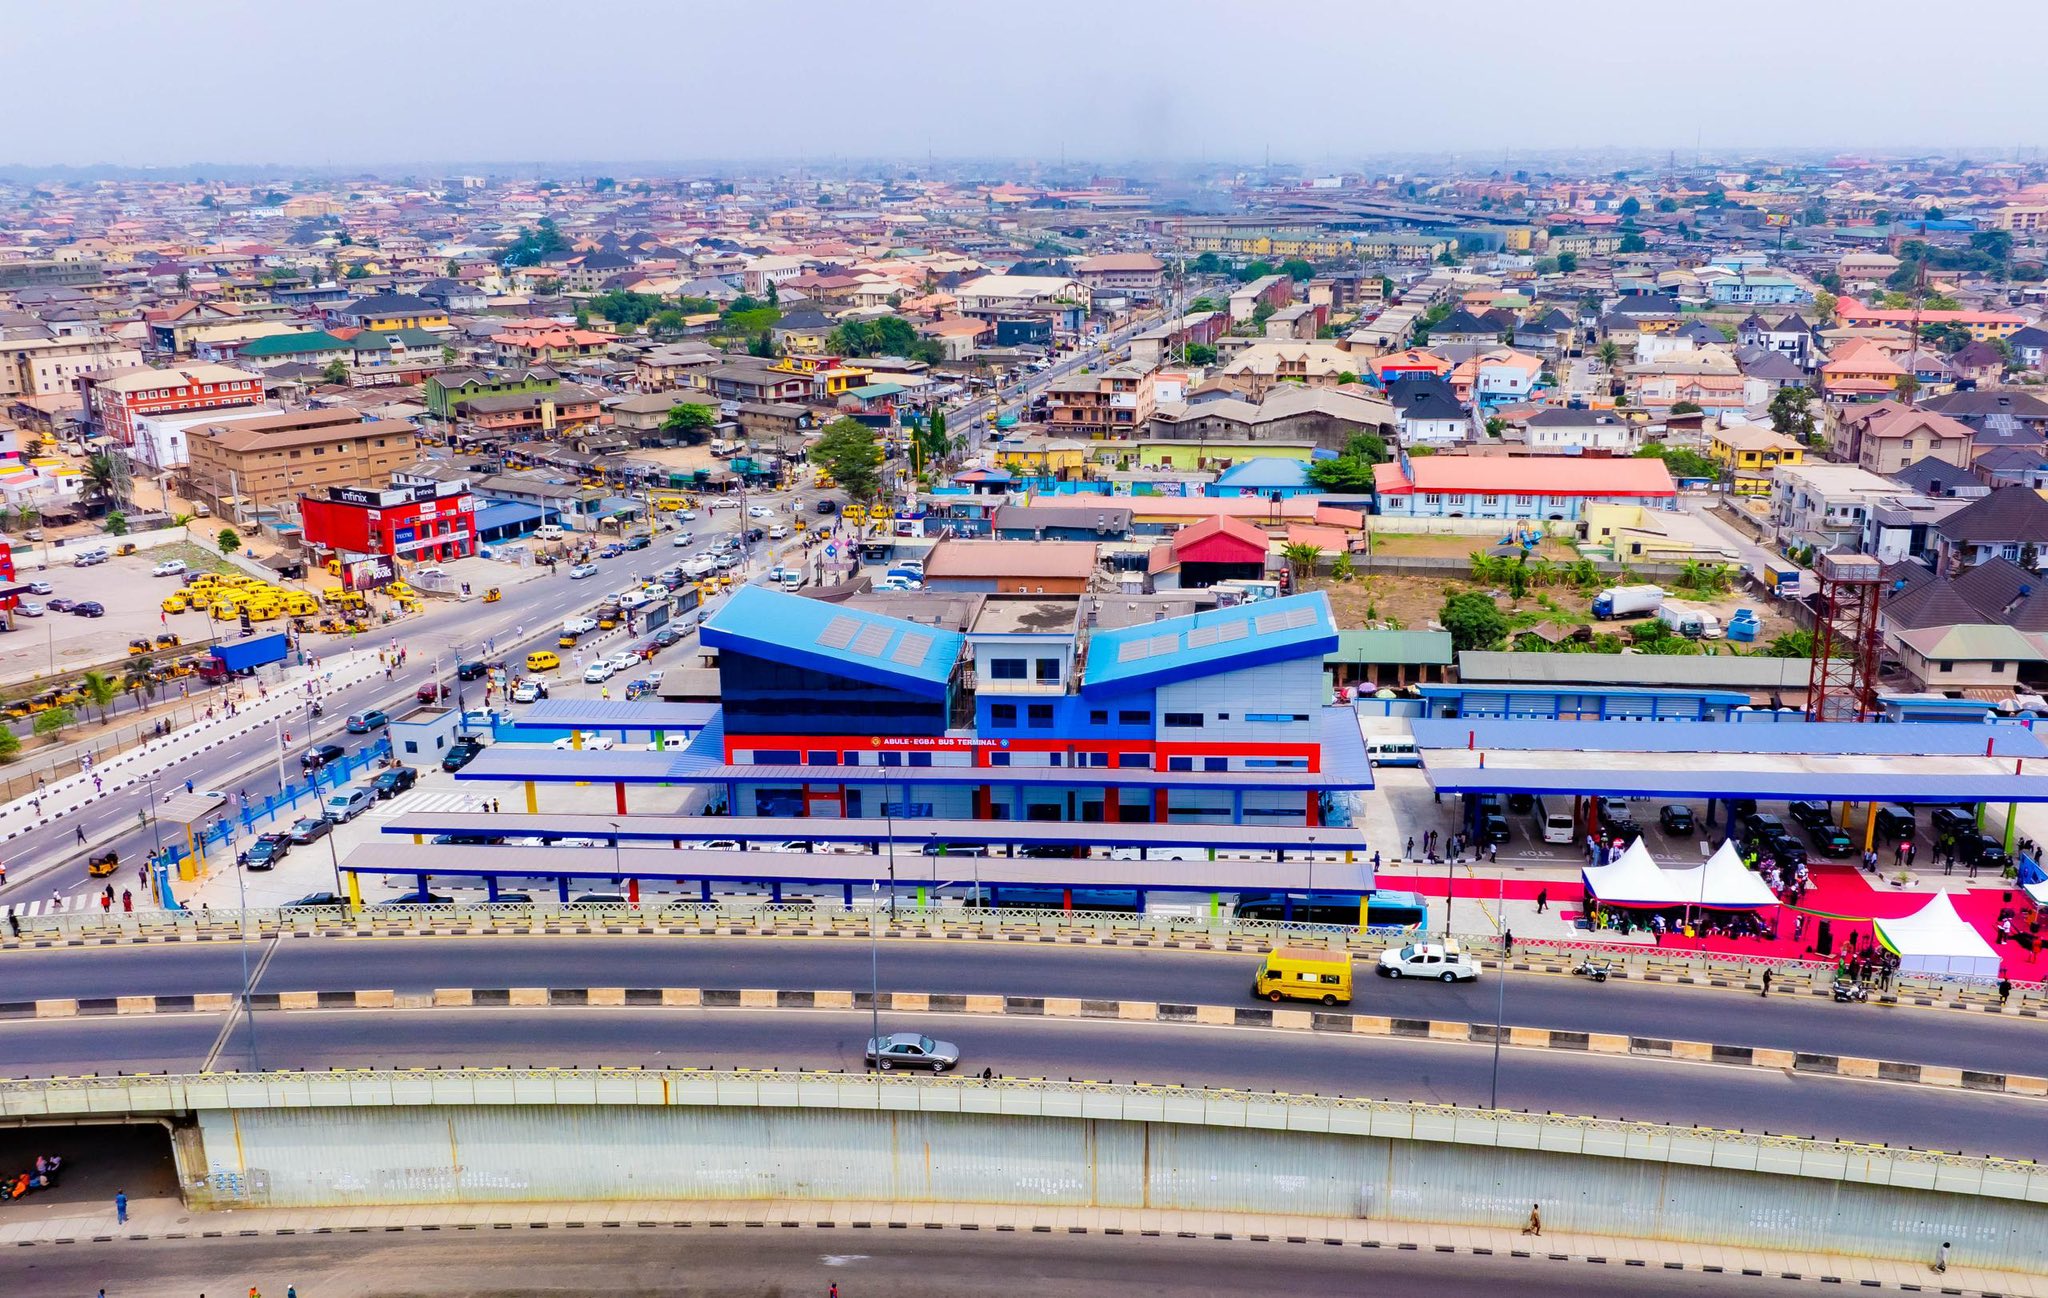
<point>608,996</point>
<point>528,997</point>
<point>453,997</point>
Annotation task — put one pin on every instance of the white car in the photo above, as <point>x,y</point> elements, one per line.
<point>29,608</point>
<point>599,671</point>
<point>579,626</point>
<point>778,533</point>
<point>687,515</point>
<point>898,583</point>
<point>591,743</point>
<point>624,660</point>
<point>668,744</point>
<point>582,570</point>
<point>1441,960</point>
<point>526,692</point>
<point>756,511</point>
<point>683,540</point>
<point>634,599</point>
<point>169,568</point>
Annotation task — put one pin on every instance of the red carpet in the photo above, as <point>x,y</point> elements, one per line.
<point>1841,894</point>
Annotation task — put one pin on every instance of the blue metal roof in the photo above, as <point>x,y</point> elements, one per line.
<point>1265,471</point>
<point>510,513</point>
<point>1829,738</point>
<point>809,633</point>
<point>617,714</point>
<point>1150,654</point>
<point>1830,786</point>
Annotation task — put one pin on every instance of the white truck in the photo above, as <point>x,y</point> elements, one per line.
<point>1691,621</point>
<point>1628,601</point>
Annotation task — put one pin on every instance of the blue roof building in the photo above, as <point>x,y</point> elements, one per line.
<point>1269,477</point>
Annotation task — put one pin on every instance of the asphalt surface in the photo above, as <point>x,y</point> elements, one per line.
<point>1091,1050</point>
<point>1985,1042</point>
<point>781,1263</point>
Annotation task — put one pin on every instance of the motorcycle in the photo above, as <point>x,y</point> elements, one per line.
<point>1589,969</point>
<point>1847,992</point>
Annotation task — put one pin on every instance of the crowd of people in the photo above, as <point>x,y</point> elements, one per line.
<point>43,1176</point>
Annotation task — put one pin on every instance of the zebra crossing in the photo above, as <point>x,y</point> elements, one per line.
<point>53,906</point>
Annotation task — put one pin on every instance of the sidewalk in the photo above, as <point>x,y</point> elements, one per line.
<point>21,1225</point>
<point>286,701</point>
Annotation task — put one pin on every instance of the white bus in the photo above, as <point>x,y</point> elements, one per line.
<point>1392,751</point>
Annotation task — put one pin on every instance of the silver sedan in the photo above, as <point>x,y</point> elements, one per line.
<point>910,1050</point>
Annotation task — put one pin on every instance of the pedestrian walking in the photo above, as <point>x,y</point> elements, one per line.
<point>1941,1259</point>
<point>1911,849</point>
<point>1493,853</point>
<point>1798,926</point>
<point>127,902</point>
<point>1409,853</point>
<point>1507,940</point>
<point>106,904</point>
<point>1542,900</point>
<point>97,785</point>
<point>188,786</point>
<point>1767,983</point>
<point>1898,854</point>
<point>14,923</point>
<point>80,831</point>
<point>1535,1226</point>
<point>120,1207</point>
<point>2004,990</point>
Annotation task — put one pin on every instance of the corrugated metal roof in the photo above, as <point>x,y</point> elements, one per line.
<point>1645,782</point>
<point>915,832</point>
<point>1845,738</point>
<point>1392,647</point>
<point>851,642</point>
<point>1725,671</point>
<point>386,856</point>
<point>618,714</point>
<point>1155,653</point>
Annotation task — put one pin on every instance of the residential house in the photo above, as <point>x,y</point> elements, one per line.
<point>247,467</point>
<point>115,399</point>
<point>1562,431</point>
<point>1752,454</point>
<point>1941,480</point>
<point>1462,328</point>
<point>803,330</point>
<point>1115,403</point>
<point>669,366</point>
<point>445,392</point>
<point>1427,412</point>
<point>1518,487</point>
<point>1550,333</point>
<point>958,336</point>
<point>530,344</point>
<point>518,416</point>
<point>2030,348</point>
<point>2002,466</point>
<point>1952,659</point>
<point>751,380</point>
<point>1415,362</point>
<point>1901,528</point>
<point>1274,291</point>
<point>1042,459</point>
<point>1757,288</point>
<point>1996,416</point>
<point>1888,436</point>
<point>1271,477</point>
<point>1825,505</point>
<point>1852,314</point>
<point>1288,413</point>
<point>1201,554</point>
<point>1496,377</point>
<point>1298,321</point>
<point>1258,369</point>
<point>1136,274</point>
<point>33,367</point>
<point>1978,363</point>
<point>2010,523</point>
<point>1010,567</point>
<point>1774,370</point>
<point>1092,523</point>
<point>392,311</point>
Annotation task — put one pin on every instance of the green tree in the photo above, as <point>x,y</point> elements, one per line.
<point>1685,407</point>
<point>1792,644</point>
<point>1824,306</point>
<point>1207,263</point>
<point>1296,268</point>
<point>929,444</point>
<point>229,540</point>
<point>1204,304</point>
<point>1632,242</point>
<point>117,524</point>
<point>764,346</point>
<point>848,450</point>
<point>1344,569</point>
<point>1630,206</point>
<point>535,245</point>
<point>1609,354</point>
<point>1682,462</point>
<point>10,745</point>
<point>101,474</point>
<point>689,420</point>
<point>1667,205</point>
<point>1302,557</point>
<point>1567,262</point>
<point>1473,621</point>
<point>626,309</point>
<point>1201,354</point>
<point>1252,270</point>
<point>1792,413</point>
<point>335,373</point>
<point>50,722</point>
<point>100,690</point>
<point>357,270</point>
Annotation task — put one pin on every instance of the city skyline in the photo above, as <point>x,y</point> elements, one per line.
<point>1139,82</point>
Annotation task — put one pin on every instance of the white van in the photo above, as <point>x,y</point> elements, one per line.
<point>1392,751</point>
<point>1558,826</point>
<point>1159,854</point>
<point>549,532</point>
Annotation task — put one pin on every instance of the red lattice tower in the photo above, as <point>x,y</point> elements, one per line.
<point>1841,682</point>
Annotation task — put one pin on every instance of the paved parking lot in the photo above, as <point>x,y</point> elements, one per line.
<point>64,642</point>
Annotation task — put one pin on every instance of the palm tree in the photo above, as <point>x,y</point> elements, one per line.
<point>184,521</point>
<point>1302,557</point>
<point>101,475</point>
<point>100,690</point>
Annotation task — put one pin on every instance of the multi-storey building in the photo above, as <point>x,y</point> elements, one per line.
<point>115,399</point>
<point>248,466</point>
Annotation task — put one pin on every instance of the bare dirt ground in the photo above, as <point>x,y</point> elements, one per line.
<point>1411,603</point>
<point>1456,546</point>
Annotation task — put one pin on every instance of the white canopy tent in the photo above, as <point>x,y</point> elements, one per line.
<point>1936,940</point>
<point>1635,879</point>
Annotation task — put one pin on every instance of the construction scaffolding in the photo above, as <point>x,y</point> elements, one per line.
<point>1842,676</point>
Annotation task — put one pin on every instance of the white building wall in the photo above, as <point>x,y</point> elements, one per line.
<point>1291,689</point>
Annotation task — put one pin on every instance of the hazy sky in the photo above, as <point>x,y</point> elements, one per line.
<point>310,83</point>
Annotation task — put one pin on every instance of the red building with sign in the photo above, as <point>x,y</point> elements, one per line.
<point>427,524</point>
<point>115,399</point>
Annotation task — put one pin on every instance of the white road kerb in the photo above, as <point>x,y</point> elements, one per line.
<point>135,766</point>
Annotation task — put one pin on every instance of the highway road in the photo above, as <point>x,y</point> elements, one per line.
<point>864,1264</point>
<point>1987,1042</point>
<point>1097,1050</point>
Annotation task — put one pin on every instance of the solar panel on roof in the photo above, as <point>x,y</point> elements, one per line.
<point>912,650</point>
<point>1268,623</point>
<point>839,632</point>
<point>870,641</point>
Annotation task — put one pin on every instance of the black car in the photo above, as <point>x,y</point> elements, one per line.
<point>315,758</point>
<point>391,783</point>
<point>1895,821</point>
<point>420,897</point>
<point>1521,803</point>
<point>1781,847</point>
<point>755,534</point>
<point>1761,824</point>
<point>1676,818</point>
<point>667,636</point>
<point>1830,839</point>
<point>90,608</point>
<point>315,900</point>
<point>468,840</point>
<point>267,851</point>
<point>1810,814</point>
<point>1950,822</point>
<point>1981,850</point>
<point>1493,829</point>
<point>470,671</point>
<point>1622,827</point>
<point>461,753</point>
<point>639,541</point>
